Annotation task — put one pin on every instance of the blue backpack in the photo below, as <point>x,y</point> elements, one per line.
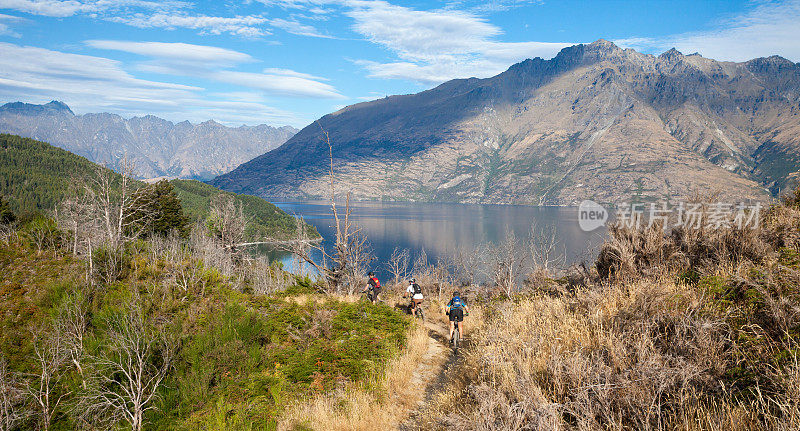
<point>456,302</point>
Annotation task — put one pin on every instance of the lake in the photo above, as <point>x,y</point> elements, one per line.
<point>441,228</point>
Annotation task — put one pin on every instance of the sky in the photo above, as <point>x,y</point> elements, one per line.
<point>289,62</point>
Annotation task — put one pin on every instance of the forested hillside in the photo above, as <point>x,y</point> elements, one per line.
<point>36,177</point>
<point>265,219</point>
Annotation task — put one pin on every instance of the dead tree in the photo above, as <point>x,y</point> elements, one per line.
<point>507,261</point>
<point>117,206</point>
<point>342,268</point>
<point>543,246</point>
<point>128,371</point>
<point>71,324</point>
<point>76,214</point>
<point>50,357</point>
<point>398,264</point>
<point>12,397</point>
<point>227,221</point>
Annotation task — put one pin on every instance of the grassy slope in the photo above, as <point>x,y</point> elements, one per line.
<point>36,176</point>
<point>242,358</point>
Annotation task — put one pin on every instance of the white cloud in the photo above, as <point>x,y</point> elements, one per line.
<point>92,84</point>
<point>767,29</point>
<point>289,72</point>
<point>295,27</point>
<point>248,26</point>
<point>435,46</point>
<point>212,63</point>
<point>173,51</point>
<point>144,14</point>
<point>489,6</point>
<point>64,8</point>
<point>278,84</point>
<point>5,28</point>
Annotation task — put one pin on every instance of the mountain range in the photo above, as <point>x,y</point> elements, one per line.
<point>159,147</point>
<point>594,122</point>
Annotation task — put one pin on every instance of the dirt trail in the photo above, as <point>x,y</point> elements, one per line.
<point>429,376</point>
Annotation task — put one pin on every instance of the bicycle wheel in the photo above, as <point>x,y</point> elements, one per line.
<point>456,337</point>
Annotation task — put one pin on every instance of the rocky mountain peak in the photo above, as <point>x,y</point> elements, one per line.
<point>59,106</point>
<point>54,107</point>
<point>671,55</point>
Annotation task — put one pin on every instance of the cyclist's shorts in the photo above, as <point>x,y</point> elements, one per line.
<point>456,314</point>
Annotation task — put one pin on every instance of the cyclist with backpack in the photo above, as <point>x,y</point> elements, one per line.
<point>373,287</point>
<point>415,291</point>
<point>455,311</point>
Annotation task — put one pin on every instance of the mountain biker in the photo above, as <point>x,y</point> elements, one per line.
<point>373,286</point>
<point>415,291</point>
<point>455,310</point>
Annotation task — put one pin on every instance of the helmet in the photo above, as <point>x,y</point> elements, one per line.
<point>455,293</point>
<point>412,280</point>
<point>371,274</point>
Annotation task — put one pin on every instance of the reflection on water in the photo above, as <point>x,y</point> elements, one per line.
<point>439,229</point>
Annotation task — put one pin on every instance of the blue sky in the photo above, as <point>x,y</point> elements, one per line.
<point>291,61</point>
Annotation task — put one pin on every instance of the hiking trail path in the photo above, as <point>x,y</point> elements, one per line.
<point>430,374</point>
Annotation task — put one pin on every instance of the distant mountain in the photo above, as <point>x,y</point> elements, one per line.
<point>596,121</point>
<point>159,147</point>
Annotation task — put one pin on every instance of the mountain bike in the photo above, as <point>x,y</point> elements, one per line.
<point>418,313</point>
<point>456,336</point>
<point>369,295</point>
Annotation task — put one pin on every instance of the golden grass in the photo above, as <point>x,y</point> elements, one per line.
<point>624,357</point>
<point>378,405</point>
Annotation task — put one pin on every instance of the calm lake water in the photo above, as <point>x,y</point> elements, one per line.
<point>440,229</point>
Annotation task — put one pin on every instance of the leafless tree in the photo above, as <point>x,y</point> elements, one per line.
<point>7,231</point>
<point>507,261</point>
<point>398,264</point>
<point>544,249</point>
<point>12,397</point>
<point>50,358</point>
<point>265,278</point>
<point>210,251</point>
<point>71,323</point>
<point>470,265</point>
<point>342,267</point>
<point>76,214</point>
<point>116,203</point>
<point>127,372</point>
<point>44,234</point>
<point>227,221</point>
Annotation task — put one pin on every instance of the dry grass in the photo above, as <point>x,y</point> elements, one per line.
<point>377,405</point>
<point>698,329</point>
<point>638,357</point>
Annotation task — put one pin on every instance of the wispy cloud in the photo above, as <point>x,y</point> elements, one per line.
<point>489,6</point>
<point>91,84</point>
<point>768,28</point>
<point>144,14</point>
<point>213,63</point>
<point>5,27</point>
<point>434,46</point>
<point>64,8</point>
<point>248,26</point>
<point>175,51</point>
<point>295,27</point>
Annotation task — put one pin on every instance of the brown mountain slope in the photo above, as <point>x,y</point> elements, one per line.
<point>594,122</point>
